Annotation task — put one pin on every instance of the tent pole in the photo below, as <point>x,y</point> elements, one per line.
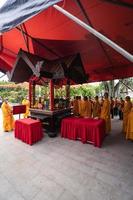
<point>96,33</point>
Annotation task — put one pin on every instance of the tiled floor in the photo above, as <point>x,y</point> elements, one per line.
<point>60,169</point>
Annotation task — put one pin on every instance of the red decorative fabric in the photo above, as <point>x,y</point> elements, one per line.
<point>92,130</point>
<point>28,130</point>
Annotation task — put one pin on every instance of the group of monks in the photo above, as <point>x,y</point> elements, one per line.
<point>104,108</point>
<point>87,108</point>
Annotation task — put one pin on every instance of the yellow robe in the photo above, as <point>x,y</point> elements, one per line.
<point>36,104</point>
<point>75,107</point>
<point>80,105</point>
<point>129,131</point>
<point>86,109</point>
<point>96,109</point>
<point>105,114</point>
<point>8,120</point>
<point>126,111</point>
<point>27,104</point>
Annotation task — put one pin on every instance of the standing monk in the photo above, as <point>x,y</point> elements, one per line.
<point>129,131</point>
<point>126,111</point>
<point>101,101</point>
<point>112,107</point>
<point>105,113</point>
<point>120,108</point>
<point>76,106</point>
<point>26,102</point>
<point>116,106</point>
<point>96,107</point>
<point>86,108</point>
<point>8,120</point>
<point>79,104</point>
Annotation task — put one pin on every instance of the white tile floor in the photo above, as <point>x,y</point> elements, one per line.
<point>61,169</point>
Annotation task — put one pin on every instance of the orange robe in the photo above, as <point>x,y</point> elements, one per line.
<point>129,130</point>
<point>27,104</point>
<point>75,107</point>
<point>80,106</point>
<point>96,109</point>
<point>126,111</point>
<point>105,114</point>
<point>101,102</point>
<point>8,120</point>
<point>86,109</point>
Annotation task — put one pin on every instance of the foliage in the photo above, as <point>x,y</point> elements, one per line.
<point>85,90</point>
<point>13,92</point>
<point>16,93</point>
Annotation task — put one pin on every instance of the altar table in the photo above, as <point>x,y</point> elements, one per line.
<point>85,129</point>
<point>28,130</point>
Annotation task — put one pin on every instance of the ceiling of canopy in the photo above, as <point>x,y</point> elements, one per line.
<point>51,35</point>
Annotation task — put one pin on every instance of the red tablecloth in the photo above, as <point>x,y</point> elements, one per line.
<point>87,130</point>
<point>28,130</point>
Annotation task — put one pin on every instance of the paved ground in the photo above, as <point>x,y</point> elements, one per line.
<point>60,169</point>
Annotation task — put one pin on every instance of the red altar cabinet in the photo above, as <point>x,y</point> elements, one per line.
<point>28,130</point>
<point>52,110</point>
<point>87,130</point>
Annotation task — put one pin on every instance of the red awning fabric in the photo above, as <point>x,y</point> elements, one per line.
<point>52,35</point>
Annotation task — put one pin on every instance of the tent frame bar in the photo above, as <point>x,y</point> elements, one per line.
<point>25,38</point>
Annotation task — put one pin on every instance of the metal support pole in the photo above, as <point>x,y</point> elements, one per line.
<point>109,42</point>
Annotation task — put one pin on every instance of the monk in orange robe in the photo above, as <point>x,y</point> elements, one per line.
<point>96,108</point>
<point>101,101</point>
<point>79,104</point>
<point>8,120</point>
<point>129,130</point>
<point>26,102</point>
<point>126,111</point>
<point>112,107</point>
<point>86,108</point>
<point>76,106</point>
<point>91,102</point>
<point>105,113</point>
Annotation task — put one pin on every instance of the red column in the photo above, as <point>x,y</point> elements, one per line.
<point>68,93</point>
<point>51,95</point>
<point>33,93</point>
<point>30,93</point>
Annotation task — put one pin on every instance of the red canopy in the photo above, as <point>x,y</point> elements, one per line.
<point>52,35</point>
